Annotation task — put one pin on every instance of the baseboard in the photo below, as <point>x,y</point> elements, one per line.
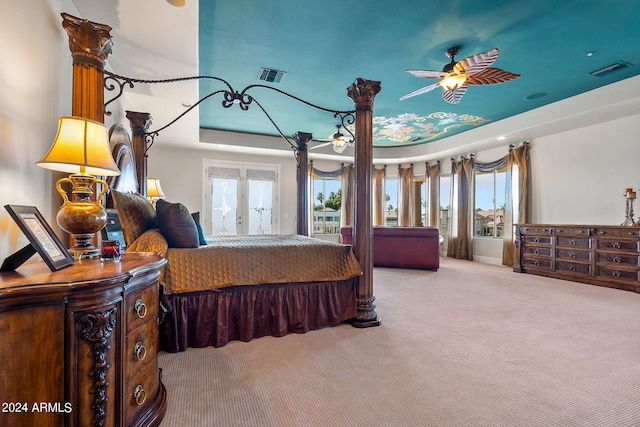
<point>487,260</point>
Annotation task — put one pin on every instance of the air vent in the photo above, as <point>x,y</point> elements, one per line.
<point>270,75</point>
<point>611,68</point>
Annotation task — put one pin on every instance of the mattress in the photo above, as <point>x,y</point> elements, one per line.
<point>255,260</point>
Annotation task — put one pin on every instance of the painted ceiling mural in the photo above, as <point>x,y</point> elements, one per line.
<point>411,128</point>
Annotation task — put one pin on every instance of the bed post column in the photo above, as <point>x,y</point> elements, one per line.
<point>90,44</point>
<point>302,157</point>
<point>139,123</point>
<point>362,92</point>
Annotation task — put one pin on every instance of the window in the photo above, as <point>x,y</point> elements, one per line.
<point>421,191</point>
<point>327,200</point>
<point>391,202</point>
<point>240,198</point>
<point>490,204</point>
<point>445,200</point>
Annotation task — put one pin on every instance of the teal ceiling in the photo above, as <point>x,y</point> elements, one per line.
<point>323,46</point>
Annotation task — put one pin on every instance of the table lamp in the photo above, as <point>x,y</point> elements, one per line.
<point>154,191</point>
<point>81,147</point>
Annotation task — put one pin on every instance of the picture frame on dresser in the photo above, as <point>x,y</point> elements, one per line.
<point>41,237</point>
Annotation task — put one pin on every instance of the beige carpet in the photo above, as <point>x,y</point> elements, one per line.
<point>468,345</point>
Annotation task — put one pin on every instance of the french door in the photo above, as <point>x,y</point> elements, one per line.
<point>240,198</point>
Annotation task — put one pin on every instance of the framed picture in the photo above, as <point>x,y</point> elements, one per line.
<point>41,236</point>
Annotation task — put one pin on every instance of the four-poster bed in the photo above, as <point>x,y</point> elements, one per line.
<point>359,308</point>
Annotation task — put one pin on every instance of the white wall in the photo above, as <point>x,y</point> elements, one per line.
<point>35,89</point>
<point>180,174</point>
<point>579,176</point>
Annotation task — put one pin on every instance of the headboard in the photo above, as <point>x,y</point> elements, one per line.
<point>122,151</point>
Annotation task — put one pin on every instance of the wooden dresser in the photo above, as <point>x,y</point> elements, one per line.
<point>595,254</point>
<point>78,347</point>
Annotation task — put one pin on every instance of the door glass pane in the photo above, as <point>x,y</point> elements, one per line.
<point>484,213</point>
<point>260,196</point>
<point>224,206</point>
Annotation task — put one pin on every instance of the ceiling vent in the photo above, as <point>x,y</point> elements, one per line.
<point>270,75</point>
<point>611,68</point>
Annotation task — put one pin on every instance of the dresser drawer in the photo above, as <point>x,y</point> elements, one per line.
<point>618,245</point>
<point>141,305</point>
<point>580,231</point>
<point>542,240</point>
<point>616,274</point>
<point>576,254</point>
<point>617,258</point>
<point>540,263</point>
<point>535,230</point>
<point>573,268</point>
<point>535,250</point>
<point>575,242</point>
<point>617,232</point>
<point>141,347</point>
<point>140,389</point>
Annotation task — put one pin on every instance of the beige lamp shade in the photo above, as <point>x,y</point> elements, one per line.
<point>81,146</point>
<point>154,191</point>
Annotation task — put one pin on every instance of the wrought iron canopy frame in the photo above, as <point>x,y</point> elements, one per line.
<point>230,97</point>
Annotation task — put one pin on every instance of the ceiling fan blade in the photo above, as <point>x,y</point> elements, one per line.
<point>422,90</point>
<point>491,76</point>
<point>324,144</point>
<point>476,63</point>
<point>431,74</point>
<point>454,96</point>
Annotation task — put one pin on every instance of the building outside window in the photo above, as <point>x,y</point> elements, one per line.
<point>326,205</point>
<point>490,204</point>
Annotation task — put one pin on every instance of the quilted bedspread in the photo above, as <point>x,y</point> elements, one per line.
<point>256,259</point>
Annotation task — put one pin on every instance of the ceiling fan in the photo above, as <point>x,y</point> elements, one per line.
<point>457,76</point>
<point>337,139</point>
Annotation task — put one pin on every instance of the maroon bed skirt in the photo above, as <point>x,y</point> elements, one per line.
<point>213,318</point>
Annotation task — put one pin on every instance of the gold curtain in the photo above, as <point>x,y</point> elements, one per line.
<point>433,173</point>
<point>460,245</point>
<point>378,195</point>
<point>405,202</point>
<point>348,184</point>
<point>517,157</point>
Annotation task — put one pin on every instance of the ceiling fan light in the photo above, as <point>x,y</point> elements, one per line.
<point>453,82</point>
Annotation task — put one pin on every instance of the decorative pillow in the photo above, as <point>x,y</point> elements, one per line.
<point>135,212</point>
<point>149,241</point>
<point>196,219</point>
<point>176,225</point>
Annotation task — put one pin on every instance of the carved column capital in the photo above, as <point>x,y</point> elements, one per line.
<point>139,122</point>
<point>88,41</point>
<point>302,139</point>
<point>363,92</point>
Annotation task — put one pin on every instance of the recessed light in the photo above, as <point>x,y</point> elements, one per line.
<point>501,138</point>
<point>537,95</point>
<point>185,104</point>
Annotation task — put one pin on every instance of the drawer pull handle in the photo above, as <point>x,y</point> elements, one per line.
<point>140,351</point>
<point>572,254</point>
<point>617,259</point>
<point>572,242</point>
<point>536,262</point>
<point>537,251</point>
<point>572,267</point>
<point>617,273</point>
<point>139,395</point>
<point>537,240</point>
<point>140,308</point>
<point>617,245</point>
